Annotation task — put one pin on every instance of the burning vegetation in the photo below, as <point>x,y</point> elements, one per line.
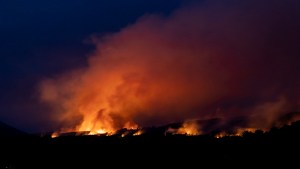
<point>237,65</point>
<point>188,128</point>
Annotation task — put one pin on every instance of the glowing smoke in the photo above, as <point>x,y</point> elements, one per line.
<point>233,60</point>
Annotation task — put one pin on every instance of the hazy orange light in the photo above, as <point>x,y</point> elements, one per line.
<point>190,128</point>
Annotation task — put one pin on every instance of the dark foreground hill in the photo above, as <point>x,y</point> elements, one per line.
<point>279,146</point>
<point>8,131</point>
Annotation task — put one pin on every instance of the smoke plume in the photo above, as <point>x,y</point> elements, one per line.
<point>229,60</point>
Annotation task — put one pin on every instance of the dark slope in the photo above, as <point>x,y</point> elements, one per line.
<point>9,131</point>
<point>277,146</point>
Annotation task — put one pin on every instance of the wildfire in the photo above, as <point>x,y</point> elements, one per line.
<point>54,135</point>
<point>138,132</point>
<point>125,134</point>
<point>189,128</point>
<point>166,69</point>
<point>99,129</point>
<point>99,132</point>
<point>237,132</point>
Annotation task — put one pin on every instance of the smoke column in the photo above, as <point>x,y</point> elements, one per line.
<point>229,60</point>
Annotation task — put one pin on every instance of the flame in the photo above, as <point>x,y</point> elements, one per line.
<point>97,126</point>
<point>238,132</point>
<point>124,134</point>
<point>138,132</point>
<point>99,129</point>
<point>54,135</point>
<point>161,70</point>
<point>131,126</point>
<point>241,131</point>
<point>99,132</point>
<point>190,128</point>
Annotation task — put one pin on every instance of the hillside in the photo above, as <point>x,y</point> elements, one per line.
<point>9,131</point>
<point>279,145</point>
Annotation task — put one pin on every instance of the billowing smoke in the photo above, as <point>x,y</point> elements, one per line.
<point>238,61</point>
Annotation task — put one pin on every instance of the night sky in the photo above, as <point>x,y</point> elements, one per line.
<point>40,39</point>
<point>147,62</point>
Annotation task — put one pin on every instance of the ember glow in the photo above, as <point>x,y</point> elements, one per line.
<point>139,132</point>
<point>54,135</point>
<point>241,62</point>
<point>237,132</point>
<point>190,128</point>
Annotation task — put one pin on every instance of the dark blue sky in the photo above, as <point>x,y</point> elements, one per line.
<point>31,29</point>
<point>43,38</point>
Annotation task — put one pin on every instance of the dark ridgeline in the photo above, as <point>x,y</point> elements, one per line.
<point>152,149</point>
<point>8,131</point>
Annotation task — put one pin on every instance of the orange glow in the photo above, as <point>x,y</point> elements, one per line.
<point>189,128</point>
<point>139,132</point>
<point>54,135</point>
<point>125,134</point>
<point>99,132</point>
<point>238,132</point>
<point>163,70</point>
